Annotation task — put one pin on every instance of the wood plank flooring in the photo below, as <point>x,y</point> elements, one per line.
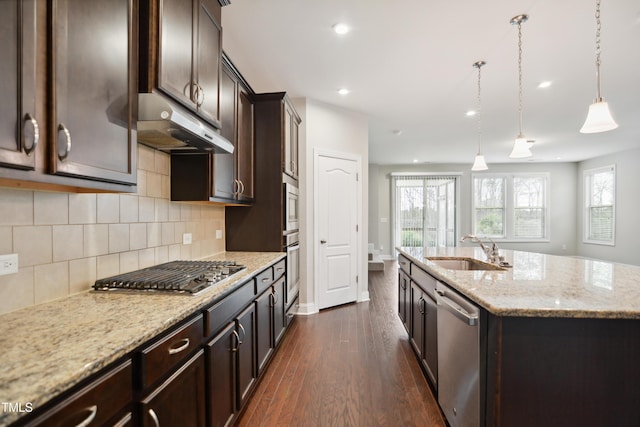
<point>347,366</point>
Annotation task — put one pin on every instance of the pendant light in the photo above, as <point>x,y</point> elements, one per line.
<point>599,117</point>
<point>521,147</point>
<point>479,163</point>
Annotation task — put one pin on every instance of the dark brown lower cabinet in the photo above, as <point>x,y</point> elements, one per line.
<point>180,400</point>
<point>231,365</point>
<point>271,321</point>
<point>404,299</point>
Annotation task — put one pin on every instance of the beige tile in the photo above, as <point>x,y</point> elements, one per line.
<point>96,240</point>
<point>174,211</point>
<point>137,236</point>
<point>68,242</point>
<point>108,208</point>
<point>174,252</point>
<point>180,229</point>
<point>17,290</point>
<point>33,245</point>
<point>6,240</point>
<point>147,209</point>
<point>185,212</point>
<point>162,210</point>
<point>51,281</point>
<point>154,185</point>
<point>147,257</point>
<point>128,208</point>
<point>119,238</point>
<point>162,163</point>
<point>16,207</point>
<point>82,274</point>
<point>166,187</point>
<point>142,183</point>
<point>146,158</point>
<point>82,209</point>
<point>154,234</point>
<point>185,252</point>
<point>50,208</point>
<point>107,265</point>
<point>128,261</point>
<point>161,254</point>
<point>168,233</point>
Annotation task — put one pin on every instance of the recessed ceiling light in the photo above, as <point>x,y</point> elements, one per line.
<point>343,91</point>
<point>397,132</point>
<point>544,85</point>
<point>470,113</point>
<point>415,160</point>
<point>341,28</point>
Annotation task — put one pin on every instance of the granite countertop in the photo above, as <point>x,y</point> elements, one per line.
<point>540,285</point>
<point>48,348</point>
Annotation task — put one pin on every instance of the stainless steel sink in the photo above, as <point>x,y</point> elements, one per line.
<point>463,263</point>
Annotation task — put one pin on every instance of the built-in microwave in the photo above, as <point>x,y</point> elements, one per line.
<point>291,212</point>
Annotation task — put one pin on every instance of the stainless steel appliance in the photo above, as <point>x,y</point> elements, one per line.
<point>293,267</point>
<point>458,358</point>
<point>291,212</point>
<point>179,277</point>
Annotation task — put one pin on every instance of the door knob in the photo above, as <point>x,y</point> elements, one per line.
<point>323,242</point>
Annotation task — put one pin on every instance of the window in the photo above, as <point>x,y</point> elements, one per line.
<point>424,210</point>
<point>511,207</point>
<point>599,196</point>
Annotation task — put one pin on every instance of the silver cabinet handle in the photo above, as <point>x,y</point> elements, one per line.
<point>199,94</point>
<point>186,91</point>
<point>31,129</point>
<point>275,297</point>
<point>63,149</point>
<point>175,350</point>
<point>421,305</point>
<point>93,410</point>
<point>236,187</point>
<point>241,187</point>
<point>236,347</point>
<point>244,334</point>
<point>154,417</point>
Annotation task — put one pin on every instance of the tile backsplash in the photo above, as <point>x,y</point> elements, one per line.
<point>65,241</point>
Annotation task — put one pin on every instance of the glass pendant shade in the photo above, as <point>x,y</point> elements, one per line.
<point>599,118</point>
<point>521,148</point>
<point>479,164</point>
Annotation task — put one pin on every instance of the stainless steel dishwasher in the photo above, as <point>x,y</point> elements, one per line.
<point>458,358</point>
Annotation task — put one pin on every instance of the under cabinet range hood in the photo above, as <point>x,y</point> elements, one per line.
<point>165,125</point>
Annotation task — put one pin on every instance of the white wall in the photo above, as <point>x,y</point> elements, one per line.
<point>563,181</point>
<point>328,128</point>
<point>627,239</point>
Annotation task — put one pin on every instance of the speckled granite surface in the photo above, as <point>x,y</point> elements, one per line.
<point>49,348</point>
<point>541,285</point>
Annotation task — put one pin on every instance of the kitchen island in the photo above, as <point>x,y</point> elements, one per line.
<point>50,348</point>
<point>559,336</point>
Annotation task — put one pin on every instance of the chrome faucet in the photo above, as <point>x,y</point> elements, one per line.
<point>492,253</point>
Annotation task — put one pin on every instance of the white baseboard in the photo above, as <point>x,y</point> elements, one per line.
<point>306,309</point>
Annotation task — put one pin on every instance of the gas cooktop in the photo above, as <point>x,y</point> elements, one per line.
<point>178,277</point>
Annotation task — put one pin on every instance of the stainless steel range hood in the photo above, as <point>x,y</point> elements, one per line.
<point>165,125</point>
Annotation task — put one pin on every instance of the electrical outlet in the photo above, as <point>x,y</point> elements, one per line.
<point>8,264</point>
<point>218,234</point>
<point>187,238</point>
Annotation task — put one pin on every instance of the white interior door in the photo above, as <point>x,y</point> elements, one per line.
<point>337,236</point>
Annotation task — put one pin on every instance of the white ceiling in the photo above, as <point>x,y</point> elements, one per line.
<point>408,65</point>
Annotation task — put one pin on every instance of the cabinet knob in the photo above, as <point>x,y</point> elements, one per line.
<point>30,134</point>
<point>64,142</point>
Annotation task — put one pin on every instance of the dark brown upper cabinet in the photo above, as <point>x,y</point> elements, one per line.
<point>19,126</point>
<point>290,141</point>
<point>93,90</point>
<point>181,46</point>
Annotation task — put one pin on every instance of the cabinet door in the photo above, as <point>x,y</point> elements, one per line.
<point>286,147</point>
<point>278,304</point>
<point>264,327</point>
<point>246,373</point>
<point>208,48</point>
<point>221,364</point>
<point>224,185</point>
<point>404,298</point>
<point>430,356</point>
<point>18,125</point>
<point>290,146</point>
<point>244,145</point>
<point>179,401</point>
<point>93,89</point>
<point>417,319</point>
<point>175,54</point>
<point>294,147</point>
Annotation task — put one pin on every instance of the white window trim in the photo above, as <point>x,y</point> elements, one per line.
<point>510,206</point>
<point>586,220</point>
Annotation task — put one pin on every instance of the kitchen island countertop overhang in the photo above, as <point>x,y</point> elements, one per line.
<point>540,285</point>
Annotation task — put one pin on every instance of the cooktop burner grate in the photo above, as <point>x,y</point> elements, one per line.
<point>186,277</point>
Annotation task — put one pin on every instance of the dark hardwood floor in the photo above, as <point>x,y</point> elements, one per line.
<point>347,366</point>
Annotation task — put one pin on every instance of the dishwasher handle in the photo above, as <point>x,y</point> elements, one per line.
<point>470,319</point>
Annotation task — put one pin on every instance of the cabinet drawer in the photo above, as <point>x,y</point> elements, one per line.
<point>157,359</point>
<point>279,269</point>
<point>96,403</point>
<point>404,264</point>
<point>222,312</point>
<point>264,280</point>
<point>424,280</point>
